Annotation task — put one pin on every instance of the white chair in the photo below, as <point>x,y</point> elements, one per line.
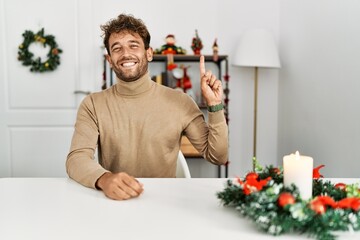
<point>182,169</point>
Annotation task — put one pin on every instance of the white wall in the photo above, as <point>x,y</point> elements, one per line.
<point>225,20</point>
<point>319,89</point>
<point>235,18</point>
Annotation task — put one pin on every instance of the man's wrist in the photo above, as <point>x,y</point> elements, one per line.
<point>98,183</point>
<point>215,108</point>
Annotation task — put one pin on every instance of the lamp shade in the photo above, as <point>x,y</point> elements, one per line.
<point>257,48</point>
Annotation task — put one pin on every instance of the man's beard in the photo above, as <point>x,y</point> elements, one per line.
<point>133,76</point>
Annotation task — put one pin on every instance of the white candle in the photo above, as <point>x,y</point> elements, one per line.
<point>299,171</point>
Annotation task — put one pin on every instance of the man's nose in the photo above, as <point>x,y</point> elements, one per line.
<point>126,51</point>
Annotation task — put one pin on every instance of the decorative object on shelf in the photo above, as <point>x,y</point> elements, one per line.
<point>104,76</point>
<point>226,104</point>
<point>226,92</point>
<point>277,209</point>
<point>169,47</point>
<point>226,99</point>
<point>196,44</point>
<point>184,82</point>
<point>171,65</point>
<point>257,48</point>
<point>27,57</point>
<point>215,51</point>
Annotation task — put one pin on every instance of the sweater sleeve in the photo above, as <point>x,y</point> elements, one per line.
<point>80,164</point>
<point>210,139</point>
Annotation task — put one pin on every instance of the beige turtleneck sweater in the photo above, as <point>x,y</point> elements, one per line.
<point>137,128</point>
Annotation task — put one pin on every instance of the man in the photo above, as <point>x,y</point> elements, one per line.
<point>137,125</point>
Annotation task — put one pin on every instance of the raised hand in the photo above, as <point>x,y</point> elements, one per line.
<point>211,87</point>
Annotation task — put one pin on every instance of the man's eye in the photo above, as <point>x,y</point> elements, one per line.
<point>116,49</point>
<point>134,46</point>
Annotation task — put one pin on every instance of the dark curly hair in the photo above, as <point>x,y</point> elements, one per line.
<point>127,23</point>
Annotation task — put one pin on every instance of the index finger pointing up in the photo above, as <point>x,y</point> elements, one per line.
<point>202,65</point>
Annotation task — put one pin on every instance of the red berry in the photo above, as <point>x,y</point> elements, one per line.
<point>276,170</point>
<point>252,176</point>
<point>355,205</point>
<point>285,199</point>
<point>318,206</point>
<point>340,186</point>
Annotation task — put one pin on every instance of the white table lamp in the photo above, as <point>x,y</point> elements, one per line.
<point>257,48</point>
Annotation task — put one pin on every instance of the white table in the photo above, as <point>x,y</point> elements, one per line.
<point>59,208</point>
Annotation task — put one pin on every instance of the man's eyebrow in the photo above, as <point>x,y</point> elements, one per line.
<point>134,41</point>
<point>114,44</point>
<point>130,41</point>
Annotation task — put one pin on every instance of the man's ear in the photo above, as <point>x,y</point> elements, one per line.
<point>108,58</point>
<point>149,54</point>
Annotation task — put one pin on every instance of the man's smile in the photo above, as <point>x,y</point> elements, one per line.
<point>128,64</point>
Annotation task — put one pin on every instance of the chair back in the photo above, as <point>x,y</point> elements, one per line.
<point>182,169</point>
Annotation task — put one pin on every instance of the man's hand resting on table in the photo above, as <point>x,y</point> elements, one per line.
<point>119,186</point>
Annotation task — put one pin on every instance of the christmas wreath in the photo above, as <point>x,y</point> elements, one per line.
<point>262,197</point>
<point>27,58</point>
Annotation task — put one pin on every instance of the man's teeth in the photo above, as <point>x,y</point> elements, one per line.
<point>129,64</point>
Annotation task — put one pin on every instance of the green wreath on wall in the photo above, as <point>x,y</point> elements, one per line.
<point>27,58</point>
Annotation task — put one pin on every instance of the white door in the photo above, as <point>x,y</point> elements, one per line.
<point>38,110</point>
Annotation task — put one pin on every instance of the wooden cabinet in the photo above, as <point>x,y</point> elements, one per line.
<point>188,149</point>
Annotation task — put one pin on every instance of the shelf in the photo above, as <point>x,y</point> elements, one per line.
<point>187,58</point>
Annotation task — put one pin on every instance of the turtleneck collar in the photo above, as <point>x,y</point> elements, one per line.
<point>134,88</point>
